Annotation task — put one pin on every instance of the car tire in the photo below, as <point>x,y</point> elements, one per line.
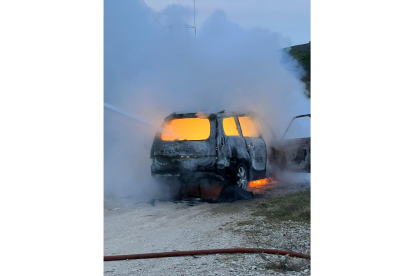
<point>241,176</point>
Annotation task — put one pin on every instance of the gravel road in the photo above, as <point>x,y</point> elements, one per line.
<point>133,227</point>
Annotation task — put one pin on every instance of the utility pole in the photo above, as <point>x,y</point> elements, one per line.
<point>195,29</point>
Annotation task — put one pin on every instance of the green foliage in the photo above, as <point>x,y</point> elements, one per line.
<point>294,206</point>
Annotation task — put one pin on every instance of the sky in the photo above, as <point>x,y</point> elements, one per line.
<point>290,18</point>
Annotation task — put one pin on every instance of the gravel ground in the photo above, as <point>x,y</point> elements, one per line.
<point>138,227</point>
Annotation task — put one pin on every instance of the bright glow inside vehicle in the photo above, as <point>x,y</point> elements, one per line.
<point>248,127</point>
<point>230,127</point>
<point>194,129</point>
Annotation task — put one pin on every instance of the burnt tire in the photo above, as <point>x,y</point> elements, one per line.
<point>241,176</point>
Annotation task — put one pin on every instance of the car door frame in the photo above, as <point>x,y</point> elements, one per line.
<point>231,150</point>
<point>256,148</point>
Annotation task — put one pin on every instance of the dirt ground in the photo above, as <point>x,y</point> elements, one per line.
<point>133,227</point>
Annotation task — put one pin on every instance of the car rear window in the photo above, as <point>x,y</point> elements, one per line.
<point>194,129</point>
<point>230,127</point>
<point>248,127</point>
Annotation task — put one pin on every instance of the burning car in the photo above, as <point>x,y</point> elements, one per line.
<point>209,149</point>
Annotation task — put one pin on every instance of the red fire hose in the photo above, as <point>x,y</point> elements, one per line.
<point>203,252</point>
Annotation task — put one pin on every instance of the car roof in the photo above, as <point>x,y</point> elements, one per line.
<point>221,114</point>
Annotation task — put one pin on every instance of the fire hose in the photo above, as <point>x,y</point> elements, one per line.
<point>203,252</point>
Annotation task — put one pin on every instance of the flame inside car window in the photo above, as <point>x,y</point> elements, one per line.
<point>187,129</point>
<point>248,127</point>
<point>230,127</point>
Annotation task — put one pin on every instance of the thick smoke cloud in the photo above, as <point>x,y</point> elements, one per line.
<point>152,71</point>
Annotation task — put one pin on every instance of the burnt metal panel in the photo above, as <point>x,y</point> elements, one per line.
<point>184,155</point>
<point>256,148</point>
<point>292,154</point>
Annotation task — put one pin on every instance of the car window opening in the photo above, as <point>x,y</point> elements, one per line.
<point>248,127</point>
<point>193,129</point>
<point>230,127</point>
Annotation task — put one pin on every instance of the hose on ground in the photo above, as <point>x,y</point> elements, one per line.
<point>203,252</point>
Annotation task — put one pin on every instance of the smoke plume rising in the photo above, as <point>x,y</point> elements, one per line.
<point>152,71</point>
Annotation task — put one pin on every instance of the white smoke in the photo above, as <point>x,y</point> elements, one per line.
<point>151,71</point>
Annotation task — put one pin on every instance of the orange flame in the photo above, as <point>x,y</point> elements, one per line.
<point>261,182</point>
<point>187,129</point>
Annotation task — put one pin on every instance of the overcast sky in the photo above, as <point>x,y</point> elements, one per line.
<point>291,18</point>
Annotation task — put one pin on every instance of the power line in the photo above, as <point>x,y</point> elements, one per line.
<point>171,26</point>
<point>151,13</point>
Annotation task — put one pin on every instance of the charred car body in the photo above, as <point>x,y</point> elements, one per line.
<point>205,149</point>
<point>291,154</point>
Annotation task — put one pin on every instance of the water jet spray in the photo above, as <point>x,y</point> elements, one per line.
<point>135,118</point>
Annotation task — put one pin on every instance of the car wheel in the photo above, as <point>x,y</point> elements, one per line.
<point>241,178</point>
